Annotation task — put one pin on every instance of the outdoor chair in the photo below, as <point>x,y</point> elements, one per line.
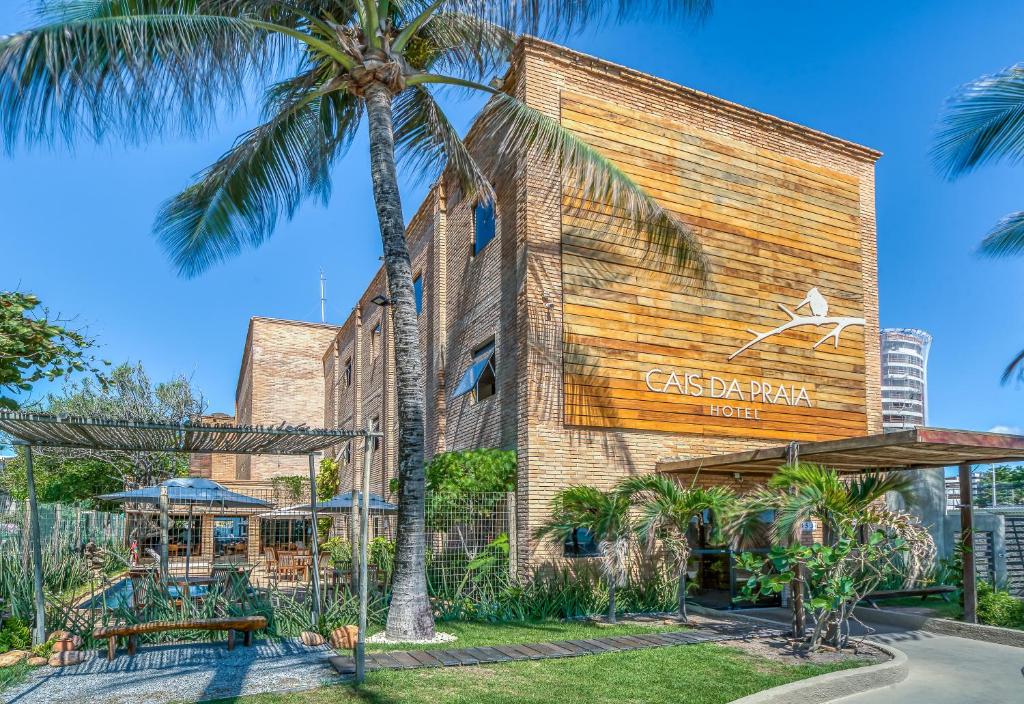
<point>272,566</point>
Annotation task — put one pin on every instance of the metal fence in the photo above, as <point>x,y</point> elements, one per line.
<point>470,542</point>
<point>60,524</point>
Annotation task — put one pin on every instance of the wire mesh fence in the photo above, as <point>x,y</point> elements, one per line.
<point>470,542</point>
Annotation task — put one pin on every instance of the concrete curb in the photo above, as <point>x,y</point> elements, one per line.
<point>831,686</point>
<point>942,626</point>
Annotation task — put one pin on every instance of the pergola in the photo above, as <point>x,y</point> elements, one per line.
<point>918,448</point>
<point>31,430</point>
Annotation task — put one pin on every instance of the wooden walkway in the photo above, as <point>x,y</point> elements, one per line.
<point>413,659</point>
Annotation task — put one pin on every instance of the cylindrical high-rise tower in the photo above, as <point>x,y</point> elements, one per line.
<point>904,378</point>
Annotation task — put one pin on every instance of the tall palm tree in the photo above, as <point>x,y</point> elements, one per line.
<point>605,516</point>
<point>140,69</point>
<point>984,123</point>
<point>667,513</point>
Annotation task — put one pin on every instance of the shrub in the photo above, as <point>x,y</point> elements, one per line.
<point>997,607</point>
<point>15,635</point>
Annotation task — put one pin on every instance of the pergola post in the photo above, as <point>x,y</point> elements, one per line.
<point>796,587</point>
<point>315,541</point>
<point>39,631</point>
<point>967,545</point>
<point>165,531</point>
<point>364,529</point>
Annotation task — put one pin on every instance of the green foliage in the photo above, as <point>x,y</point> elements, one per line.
<point>328,482</point>
<point>835,577</point>
<point>65,481</point>
<point>997,607</point>
<point>457,474</point>
<point>339,550</point>
<point>128,394</point>
<point>15,635</point>
<point>468,484</point>
<point>382,554</point>
<point>292,487</point>
<point>34,347</point>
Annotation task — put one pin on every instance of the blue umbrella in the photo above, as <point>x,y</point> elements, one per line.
<point>191,491</point>
<point>337,504</point>
<point>188,490</point>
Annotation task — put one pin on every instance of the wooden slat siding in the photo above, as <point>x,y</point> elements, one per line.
<point>773,227</point>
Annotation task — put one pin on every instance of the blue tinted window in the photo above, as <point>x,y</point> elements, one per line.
<point>483,217</point>
<point>581,544</point>
<point>417,289</point>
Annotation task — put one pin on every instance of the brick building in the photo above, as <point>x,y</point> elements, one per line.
<point>548,330</point>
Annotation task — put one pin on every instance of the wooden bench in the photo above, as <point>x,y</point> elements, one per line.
<point>245,624</point>
<point>942,590</point>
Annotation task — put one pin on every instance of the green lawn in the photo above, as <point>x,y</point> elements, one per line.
<point>472,635</point>
<point>697,674</point>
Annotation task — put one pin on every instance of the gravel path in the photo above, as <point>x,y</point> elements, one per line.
<point>183,672</point>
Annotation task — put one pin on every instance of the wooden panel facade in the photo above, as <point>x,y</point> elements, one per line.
<point>645,349</point>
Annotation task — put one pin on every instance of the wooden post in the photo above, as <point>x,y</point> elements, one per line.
<point>315,542</point>
<point>967,545</point>
<point>165,531</point>
<point>39,632</point>
<point>364,529</point>
<point>796,587</point>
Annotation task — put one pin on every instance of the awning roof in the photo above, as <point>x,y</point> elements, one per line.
<point>40,430</point>
<point>918,448</point>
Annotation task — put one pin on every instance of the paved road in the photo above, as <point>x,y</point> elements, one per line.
<point>949,670</point>
<point>943,669</point>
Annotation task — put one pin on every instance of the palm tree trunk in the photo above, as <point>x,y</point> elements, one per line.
<point>409,616</point>
<point>682,593</point>
<point>611,600</point>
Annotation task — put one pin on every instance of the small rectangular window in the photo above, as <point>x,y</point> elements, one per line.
<point>580,544</point>
<point>346,454</point>
<point>375,427</point>
<point>375,340</point>
<point>348,373</point>
<point>417,289</point>
<point>480,377</point>
<point>483,226</point>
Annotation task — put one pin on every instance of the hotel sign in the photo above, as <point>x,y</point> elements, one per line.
<point>775,350</point>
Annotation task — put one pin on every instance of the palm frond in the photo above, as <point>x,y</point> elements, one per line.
<point>560,18</point>
<point>605,514</point>
<point>590,177</point>
<point>984,122</point>
<point>462,44</point>
<point>1006,238</point>
<point>426,142</point>
<point>141,74</point>
<point>239,200</point>
<point>869,488</point>
<point>1015,367</point>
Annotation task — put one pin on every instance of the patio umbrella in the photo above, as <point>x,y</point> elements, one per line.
<point>191,491</point>
<point>338,504</point>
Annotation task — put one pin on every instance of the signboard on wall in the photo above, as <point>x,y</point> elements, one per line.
<point>773,349</point>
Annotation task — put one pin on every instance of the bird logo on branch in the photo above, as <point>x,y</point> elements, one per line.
<point>819,317</point>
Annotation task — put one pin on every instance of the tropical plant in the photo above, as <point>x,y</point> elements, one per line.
<point>667,513</point>
<point>143,68</point>
<point>984,123</point>
<point>836,573</point>
<point>868,547</point>
<point>803,492</point>
<point>605,516</point>
<point>997,607</point>
<point>36,346</point>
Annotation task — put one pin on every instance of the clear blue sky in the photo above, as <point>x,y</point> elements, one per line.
<point>75,229</point>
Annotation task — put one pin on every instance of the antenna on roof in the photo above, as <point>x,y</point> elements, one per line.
<point>323,297</point>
